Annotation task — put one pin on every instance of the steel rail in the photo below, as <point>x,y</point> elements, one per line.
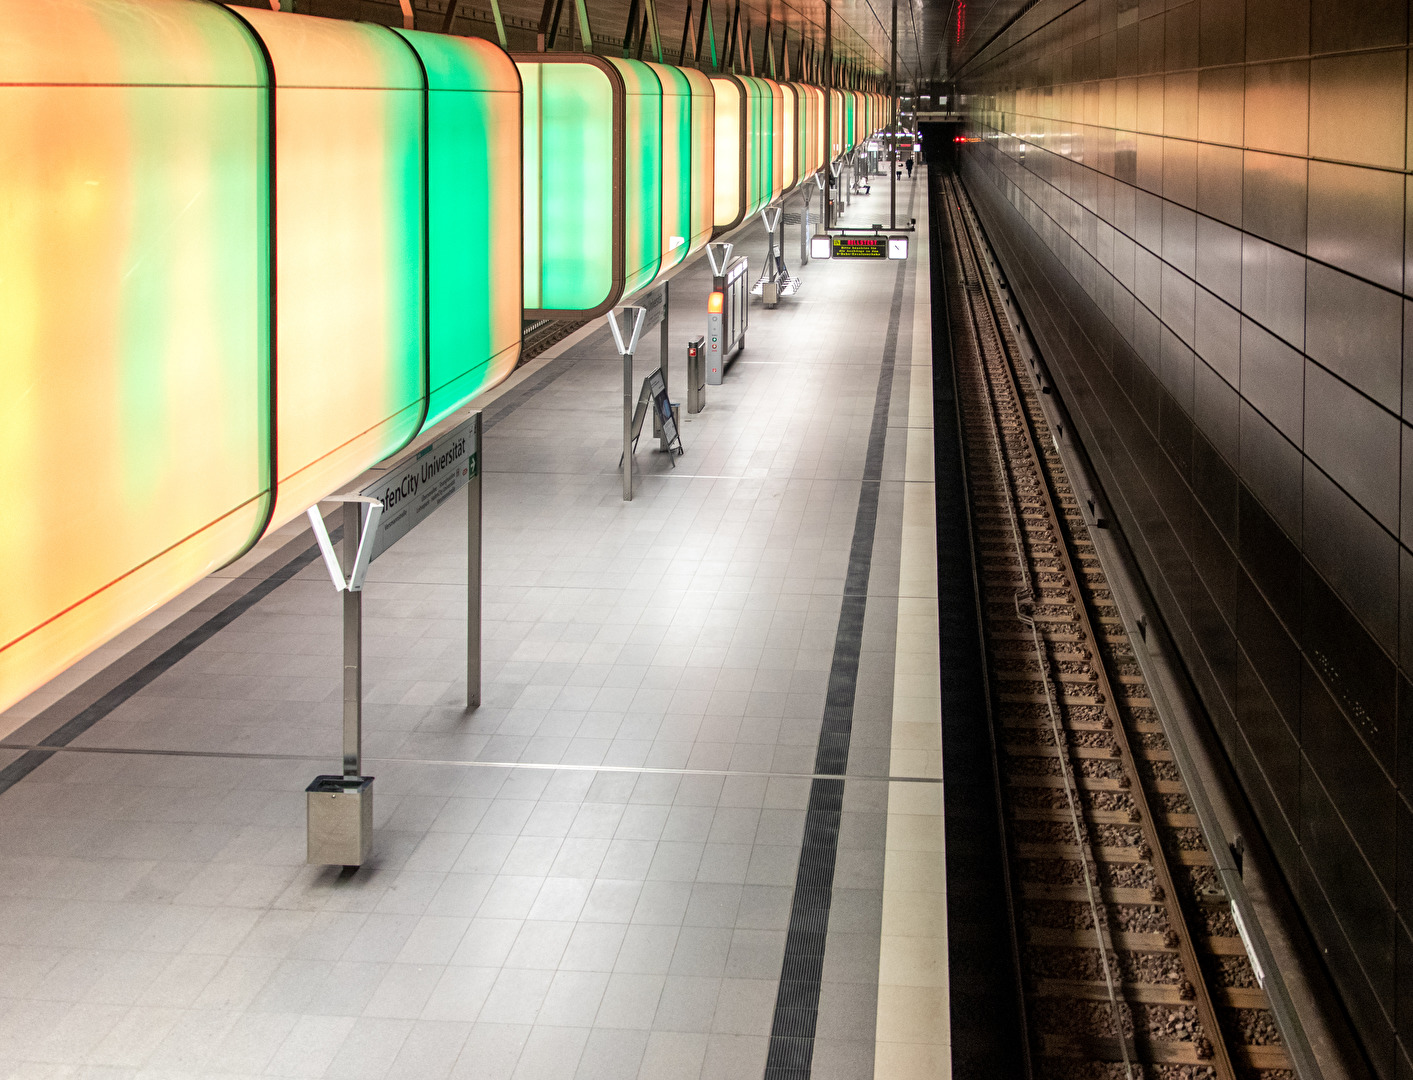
<point>1166,894</point>
<point>1024,597</point>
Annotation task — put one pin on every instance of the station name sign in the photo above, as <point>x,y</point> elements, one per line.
<point>413,488</point>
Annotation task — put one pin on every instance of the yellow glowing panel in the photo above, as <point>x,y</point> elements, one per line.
<point>134,316</point>
<point>350,206</point>
<point>730,151</point>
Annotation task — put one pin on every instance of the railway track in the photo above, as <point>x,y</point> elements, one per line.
<point>1131,963</point>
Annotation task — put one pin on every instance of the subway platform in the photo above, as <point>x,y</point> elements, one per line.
<point>693,831</point>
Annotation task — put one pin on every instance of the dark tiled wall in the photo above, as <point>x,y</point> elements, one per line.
<point>1203,207</point>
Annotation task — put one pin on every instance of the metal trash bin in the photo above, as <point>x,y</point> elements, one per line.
<point>340,826</point>
<point>696,375</point>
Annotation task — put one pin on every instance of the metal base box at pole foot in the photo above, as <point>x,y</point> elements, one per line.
<point>340,820</point>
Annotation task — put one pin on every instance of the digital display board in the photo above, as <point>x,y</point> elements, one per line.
<point>859,247</point>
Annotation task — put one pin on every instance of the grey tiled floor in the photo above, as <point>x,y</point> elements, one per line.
<point>588,877</point>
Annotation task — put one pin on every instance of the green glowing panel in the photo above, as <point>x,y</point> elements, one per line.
<point>473,200</point>
<point>643,150</point>
<point>134,316</point>
<point>573,253</point>
<point>677,163</point>
<point>703,156</point>
<point>759,143</point>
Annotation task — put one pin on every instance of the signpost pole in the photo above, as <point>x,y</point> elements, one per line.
<point>664,351</point>
<point>627,426</point>
<point>893,90</point>
<point>473,570</point>
<point>352,646</point>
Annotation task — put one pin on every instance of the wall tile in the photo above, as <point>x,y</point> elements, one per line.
<point>1177,374</point>
<point>1271,467</point>
<point>1273,288</point>
<point>1148,279</point>
<point>1181,36</point>
<point>1217,410</point>
<point>1219,182</point>
<point>1339,25</point>
<point>1355,441</point>
<point>1180,238</point>
<point>1276,28</point>
<point>1220,107</point>
<point>1356,221</point>
<point>1180,171</point>
<point>1355,555</point>
<point>1357,108</point>
<point>1405,531</point>
<point>1273,203</point>
<point>1355,329</point>
<point>1218,259</point>
<point>1150,163</point>
<point>1219,335</point>
<point>1180,105</point>
<point>1277,106</point>
<point>1178,304</point>
<point>1150,105</point>
<point>1221,32</point>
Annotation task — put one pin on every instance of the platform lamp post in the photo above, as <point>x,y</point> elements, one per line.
<point>893,91</point>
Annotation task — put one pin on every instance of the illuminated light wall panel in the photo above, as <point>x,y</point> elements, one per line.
<point>729,197</point>
<point>836,124</point>
<point>812,130</point>
<point>789,142</point>
<point>703,156</point>
<point>802,130</point>
<point>851,131</point>
<point>777,137</point>
<point>677,163</point>
<point>759,143</point>
<point>573,218</point>
<point>350,228</point>
<point>643,239</point>
<point>134,316</point>
<point>473,199</point>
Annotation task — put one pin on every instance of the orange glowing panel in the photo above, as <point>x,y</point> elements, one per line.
<point>789,143</point>
<point>134,316</point>
<point>350,206</point>
<point>776,166</point>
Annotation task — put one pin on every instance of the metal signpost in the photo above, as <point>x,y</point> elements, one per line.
<point>633,318</point>
<point>806,190</point>
<point>340,822</point>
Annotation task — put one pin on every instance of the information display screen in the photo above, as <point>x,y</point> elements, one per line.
<point>859,247</point>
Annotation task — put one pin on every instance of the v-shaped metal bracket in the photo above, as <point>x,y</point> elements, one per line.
<point>633,325</point>
<point>354,581</point>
